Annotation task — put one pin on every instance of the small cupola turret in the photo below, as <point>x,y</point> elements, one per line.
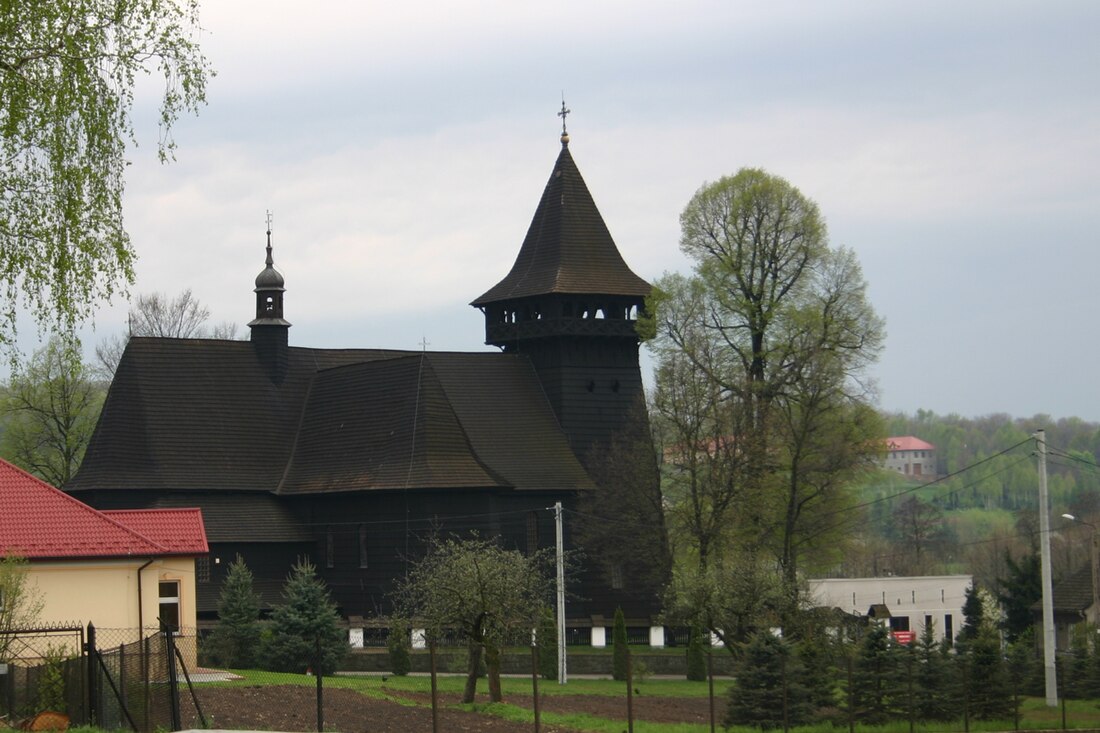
<point>269,328</point>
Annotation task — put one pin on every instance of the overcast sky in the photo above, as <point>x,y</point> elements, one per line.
<point>403,147</point>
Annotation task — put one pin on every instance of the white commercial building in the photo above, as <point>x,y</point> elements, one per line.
<point>907,604</point>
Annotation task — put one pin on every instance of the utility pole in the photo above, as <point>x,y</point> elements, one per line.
<point>1051,671</point>
<point>562,676</point>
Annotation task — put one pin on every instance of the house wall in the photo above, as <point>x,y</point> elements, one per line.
<point>940,597</point>
<point>920,463</point>
<point>105,592</point>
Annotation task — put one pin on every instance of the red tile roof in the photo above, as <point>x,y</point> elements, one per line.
<point>908,442</point>
<point>179,531</point>
<point>38,521</point>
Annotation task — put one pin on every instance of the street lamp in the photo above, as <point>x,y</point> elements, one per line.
<point>1095,560</point>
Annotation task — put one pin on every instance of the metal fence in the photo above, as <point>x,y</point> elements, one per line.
<point>111,678</point>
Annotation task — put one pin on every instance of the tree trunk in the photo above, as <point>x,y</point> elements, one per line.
<point>492,665</point>
<point>474,661</point>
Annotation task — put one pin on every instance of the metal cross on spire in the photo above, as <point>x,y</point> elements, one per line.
<point>270,261</point>
<point>565,111</point>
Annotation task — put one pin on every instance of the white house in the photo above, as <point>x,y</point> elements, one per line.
<point>907,604</point>
<point>911,456</point>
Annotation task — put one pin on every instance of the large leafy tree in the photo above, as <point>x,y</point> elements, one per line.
<point>50,407</point>
<point>488,594</point>
<point>68,70</point>
<point>761,376</point>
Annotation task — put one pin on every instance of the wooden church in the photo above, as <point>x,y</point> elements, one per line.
<point>354,457</point>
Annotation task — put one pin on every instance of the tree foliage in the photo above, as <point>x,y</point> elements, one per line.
<point>1018,592</point>
<point>398,647</point>
<point>236,638</point>
<point>761,394</point>
<point>68,70</point>
<point>546,638</point>
<point>157,314</point>
<point>621,527</point>
<point>698,641</point>
<point>22,602</point>
<point>732,598</point>
<point>50,407</point>
<point>620,648</point>
<point>769,690</point>
<point>488,594</point>
<point>305,630</point>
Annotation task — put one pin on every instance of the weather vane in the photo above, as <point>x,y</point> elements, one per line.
<point>564,112</point>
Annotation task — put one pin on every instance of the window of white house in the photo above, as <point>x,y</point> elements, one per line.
<point>169,592</point>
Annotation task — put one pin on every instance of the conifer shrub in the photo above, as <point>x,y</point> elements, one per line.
<point>619,648</point>
<point>305,631</point>
<point>236,639</point>
<point>398,645</point>
<point>769,691</point>
<point>546,638</point>
<point>696,655</point>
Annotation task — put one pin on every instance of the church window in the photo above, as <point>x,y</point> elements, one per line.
<point>362,545</point>
<point>599,313</point>
<point>617,576</point>
<point>202,570</point>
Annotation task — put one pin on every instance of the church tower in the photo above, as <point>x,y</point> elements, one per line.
<point>570,303</point>
<point>270,332</point>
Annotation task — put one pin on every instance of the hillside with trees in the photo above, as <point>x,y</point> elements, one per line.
<point>980,513</point>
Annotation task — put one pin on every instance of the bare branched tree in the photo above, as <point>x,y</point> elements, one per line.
<point>156,314</point>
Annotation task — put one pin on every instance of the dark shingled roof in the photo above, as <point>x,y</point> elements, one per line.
<point>1074,592</point>
<point>195,415</point>
<point>268,519</point>
<point>568,248</point>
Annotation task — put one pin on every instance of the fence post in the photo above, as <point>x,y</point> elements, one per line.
<point>435,691</point>
<point>92,671</point>
<point>535,680</point>
<point>317,670</point>
<point>710,685</point>
<point>629,692</point>
<point>173,680</point>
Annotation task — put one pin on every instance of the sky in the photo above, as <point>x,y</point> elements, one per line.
<point>402,149</point>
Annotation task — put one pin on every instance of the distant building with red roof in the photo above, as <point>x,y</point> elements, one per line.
<point>116,569</point>
<point>911,456</point>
